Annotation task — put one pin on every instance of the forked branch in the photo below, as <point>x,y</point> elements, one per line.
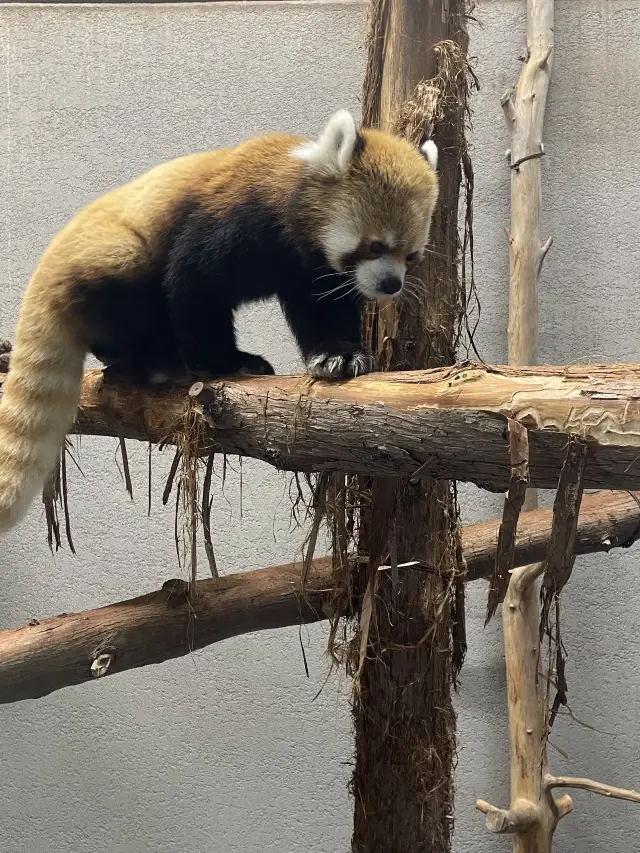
<point>534,812</point>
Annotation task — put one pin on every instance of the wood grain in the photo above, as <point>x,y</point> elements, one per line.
<point>449,422</point>
<point>50,654</point>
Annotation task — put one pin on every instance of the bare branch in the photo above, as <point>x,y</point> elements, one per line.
<point>47,655</point>
<point>606,520</point>
<point>451,420</point>
<point>54,653</point>
<point>593,787</point>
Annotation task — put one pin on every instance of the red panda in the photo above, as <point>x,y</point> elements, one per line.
<point>147,277</point>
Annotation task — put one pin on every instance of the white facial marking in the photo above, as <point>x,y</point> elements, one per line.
<point>331,153</point>
<point>339,239</point>
<point>370,276</point>
<point>430,151</point>
<point>424,241</point>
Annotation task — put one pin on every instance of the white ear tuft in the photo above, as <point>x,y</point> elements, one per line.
<point>333,150</point>
<point>430,151</point>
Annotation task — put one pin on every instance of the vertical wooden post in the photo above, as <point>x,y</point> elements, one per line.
<point>524,110</point>
<point>534,813</point>
<point>403,714</point>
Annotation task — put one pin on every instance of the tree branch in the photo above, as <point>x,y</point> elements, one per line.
<point>64,650</point>
<point>46,655</point>
<point>449,422</point>
<point>593,787</point>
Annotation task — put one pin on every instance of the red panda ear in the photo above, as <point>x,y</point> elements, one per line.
<point>332,152</point>
<point>429,151</point>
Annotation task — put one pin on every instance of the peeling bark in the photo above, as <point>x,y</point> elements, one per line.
<point>444,423</point>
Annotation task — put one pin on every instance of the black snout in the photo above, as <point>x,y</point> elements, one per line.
<point>390,285</point>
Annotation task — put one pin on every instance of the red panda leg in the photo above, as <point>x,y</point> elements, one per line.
<point>207,347</point>
<point>328,333</point>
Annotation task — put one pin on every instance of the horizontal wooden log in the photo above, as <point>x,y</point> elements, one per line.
<point>447,423</point>
<point>607,520</point>
<point>47,655</point>
<point>444,423</point>
<point>69,649</point>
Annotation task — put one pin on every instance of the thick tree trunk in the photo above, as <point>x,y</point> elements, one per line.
<point>50,654</point>
<point>403,715</point>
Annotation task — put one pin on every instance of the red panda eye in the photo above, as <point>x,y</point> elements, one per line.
<point>377,248</point>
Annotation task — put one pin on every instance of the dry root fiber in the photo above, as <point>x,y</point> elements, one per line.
<point>401,634</point>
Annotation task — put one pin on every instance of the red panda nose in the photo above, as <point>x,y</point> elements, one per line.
<point>390,284</point>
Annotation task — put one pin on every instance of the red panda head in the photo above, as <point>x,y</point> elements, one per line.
<point>369,197</point>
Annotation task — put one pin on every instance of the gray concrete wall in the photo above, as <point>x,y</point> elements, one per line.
<point>226,750</point>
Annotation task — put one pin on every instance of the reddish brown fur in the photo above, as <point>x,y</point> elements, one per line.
<point>123,235</point>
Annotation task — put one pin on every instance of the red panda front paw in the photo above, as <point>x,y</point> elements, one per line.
<point>341,366</point>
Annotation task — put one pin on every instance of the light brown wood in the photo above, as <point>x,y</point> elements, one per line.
<point>528,714</point>
<point>534,812</point>
<point>446,423</point>
<point>593,787</point>
<point>58,652</point>
<point>524,109</point>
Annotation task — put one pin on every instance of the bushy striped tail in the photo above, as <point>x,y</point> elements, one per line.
<point>39,402</point>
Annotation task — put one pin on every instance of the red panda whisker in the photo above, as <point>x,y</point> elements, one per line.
<point>333,290</point>
<point>348,292</point>
<point>326,275</point>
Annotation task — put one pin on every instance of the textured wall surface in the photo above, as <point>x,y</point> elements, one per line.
<point>589,312</point>
<point>226,750</point>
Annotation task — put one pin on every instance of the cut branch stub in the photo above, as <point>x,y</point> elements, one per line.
<point>519,818</point>
<point>505,553</point>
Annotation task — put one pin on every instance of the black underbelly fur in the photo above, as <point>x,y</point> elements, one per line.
<point>178,320</point>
